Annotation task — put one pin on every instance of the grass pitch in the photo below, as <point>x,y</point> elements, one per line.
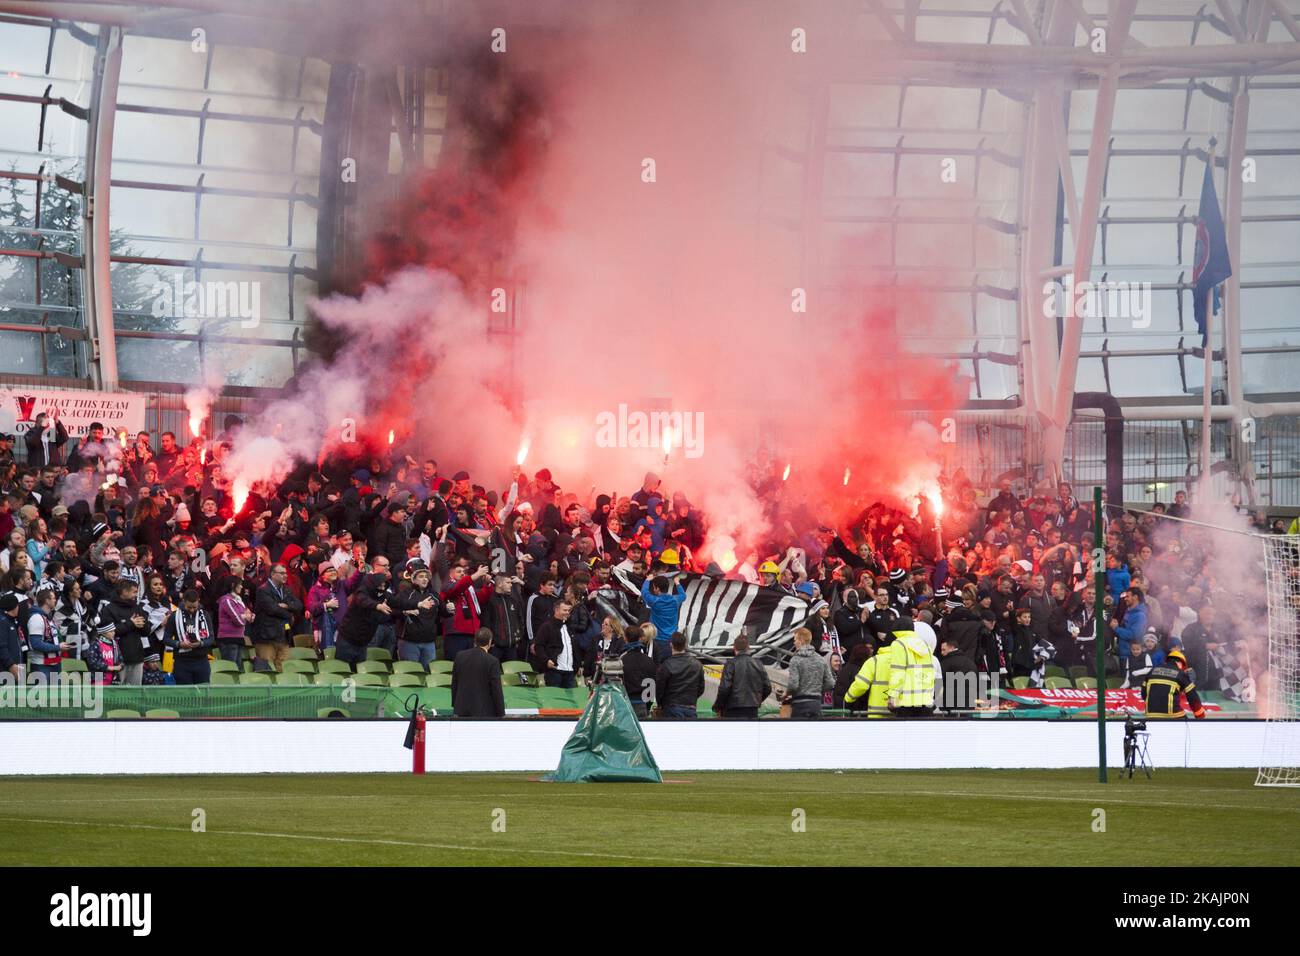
<point>704,819</point>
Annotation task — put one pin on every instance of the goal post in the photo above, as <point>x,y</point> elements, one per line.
<point>1280,763</point>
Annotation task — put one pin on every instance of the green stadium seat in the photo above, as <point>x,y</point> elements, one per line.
<point>292,679</point>
<point>248,666</point>
<point>304,641</point>
<point>406,680</point>
<point>1077,671</point>
<point>222,679</point>
<point>292,666</point>
<point>122,714</point>
<point>516,667</point>
<point>328,653</point>
<point>255,679</point>
<point>1085,683</point>
<point>330,678</point>
<point>439,698</point>
<point>520,698</point>
<point>1054,670</point>
<point>440,667</point>
<point>408,667</point>
<point>437,680</point>
<point>71,665</point>
<point>379,654</point>
<point>1059,683</point>
<point>332,712</point>
<point>367,679</point>
<point>1020,683</point>
<point>511,680</point>
<point>223,666</point>
<point>248,654</point>
<point>704,707</point>
<point>331,666</point>
<point>162,713</point>
<point>372,667</point>
<point>1114,682</point>
<point>302,653</point>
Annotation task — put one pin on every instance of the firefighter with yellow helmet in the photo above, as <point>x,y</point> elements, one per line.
<point>769,575</point>
<point>1166,683</point>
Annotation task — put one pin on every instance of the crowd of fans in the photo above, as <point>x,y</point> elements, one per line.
<point>118,553</point>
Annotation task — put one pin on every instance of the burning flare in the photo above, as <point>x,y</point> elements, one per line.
<point>390,436</point>
<point>196,424</point>
<point>523,453</point>
<point>846,476</point>
<point>239,492</point>
<point>786,476</point>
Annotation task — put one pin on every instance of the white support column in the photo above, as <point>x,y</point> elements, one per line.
<point>97,286</point>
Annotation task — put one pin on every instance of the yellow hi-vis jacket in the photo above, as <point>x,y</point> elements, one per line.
<point>911,671</point>
<point>873,681</point>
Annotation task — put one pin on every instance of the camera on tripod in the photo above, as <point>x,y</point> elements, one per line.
<point>1135,747</point>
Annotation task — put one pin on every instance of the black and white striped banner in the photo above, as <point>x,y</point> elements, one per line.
<point>716,611</point>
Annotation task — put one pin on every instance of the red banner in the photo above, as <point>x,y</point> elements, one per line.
<point>1117,701</point>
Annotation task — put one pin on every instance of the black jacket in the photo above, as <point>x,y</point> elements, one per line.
<point>551,644</point>
<point>272,622</point>
<point>506,619</point>
<point>389,539</point>
<point>11,645</point>
<point>638,669</point>
<point>361,619</point>
<point>422,626</point>
<point>476,685</point>
<point>36,448</point>
<point>680,681</point>
<point>848,623</point>
<point>744,684</point>
<point>199,625</point>
<point>963,629</point>
<point>136,643</point>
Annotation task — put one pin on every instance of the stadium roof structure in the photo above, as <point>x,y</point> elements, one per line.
<point>1087,124</point>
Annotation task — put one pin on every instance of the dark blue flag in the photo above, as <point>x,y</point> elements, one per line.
<point>1211,265</point>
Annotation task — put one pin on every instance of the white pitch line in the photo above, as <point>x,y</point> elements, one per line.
<point>377,842</point>
<point>981,795</point>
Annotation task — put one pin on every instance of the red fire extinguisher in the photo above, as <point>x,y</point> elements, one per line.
<point>417,752</point>
<point>415,735</point>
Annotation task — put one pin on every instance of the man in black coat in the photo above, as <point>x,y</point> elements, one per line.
<point>638,672</point>
<point>960,676</point>
<point>557,650</point>
<point>476,680</point>
<point>275,608</point>
<point>368,607</point>
<point>744,684</point>
<point>679,681</point>
<point>389,535</point>
<point>505,613</point>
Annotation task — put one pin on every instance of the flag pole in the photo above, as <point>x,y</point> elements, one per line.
<point>1203,476</point>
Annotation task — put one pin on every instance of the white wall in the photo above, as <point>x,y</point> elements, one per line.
<point>354,746</point>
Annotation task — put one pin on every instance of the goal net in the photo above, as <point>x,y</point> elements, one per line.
<point>1278,767</point>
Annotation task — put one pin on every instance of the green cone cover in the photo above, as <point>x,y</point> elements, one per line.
<point>607,746</point>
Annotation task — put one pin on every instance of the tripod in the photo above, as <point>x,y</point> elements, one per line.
<point>1135,753</point>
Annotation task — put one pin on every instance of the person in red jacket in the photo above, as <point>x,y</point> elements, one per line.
<point>468,595</point>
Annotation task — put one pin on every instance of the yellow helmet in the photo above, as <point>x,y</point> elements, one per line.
<point>768,567</point>
<point>669,557</point>
<point>1177,654</point>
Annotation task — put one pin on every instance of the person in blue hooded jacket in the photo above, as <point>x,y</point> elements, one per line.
<point>656,523</point>
<point>1134,627</point>
<point>663,596</point>
<point>1117,576</point>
